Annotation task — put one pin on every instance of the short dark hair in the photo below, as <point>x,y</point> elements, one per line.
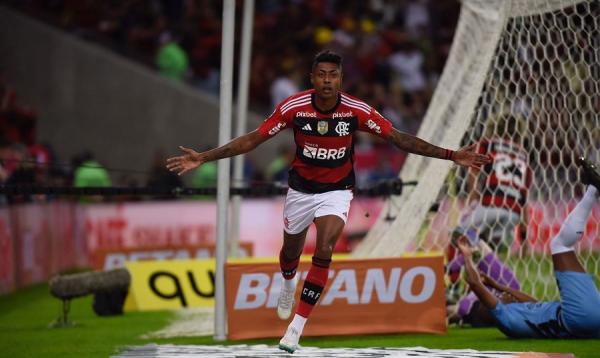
<point>327,56</point>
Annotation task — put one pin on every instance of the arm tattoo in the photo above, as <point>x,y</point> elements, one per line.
<point>228,150</point>
<point>237,146</point>
<point>412,144</point>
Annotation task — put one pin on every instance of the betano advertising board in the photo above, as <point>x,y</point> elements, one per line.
<point>388,295</point>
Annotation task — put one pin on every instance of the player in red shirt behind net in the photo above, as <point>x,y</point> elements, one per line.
<point>321,179</point>
<point>497,203</point>
<point>500,189</point>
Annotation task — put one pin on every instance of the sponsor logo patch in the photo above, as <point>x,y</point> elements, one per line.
<point>306,114</point>
<point>323,153</point>
<point>342,114</point>
<point>277,128</point>
<point>322,127</point>
<point>373,126</point>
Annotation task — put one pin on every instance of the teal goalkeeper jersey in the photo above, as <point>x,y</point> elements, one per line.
<point>576,315</point>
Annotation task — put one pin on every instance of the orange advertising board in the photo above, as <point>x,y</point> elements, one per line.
<point>387,295</point>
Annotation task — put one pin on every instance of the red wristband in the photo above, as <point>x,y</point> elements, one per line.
<point>449,154</point>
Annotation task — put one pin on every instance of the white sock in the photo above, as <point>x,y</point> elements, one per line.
<point>573,227</point>
<point>290,284</point>
<point>298,323</point>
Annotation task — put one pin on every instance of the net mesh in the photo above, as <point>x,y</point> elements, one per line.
<point>534,104</point>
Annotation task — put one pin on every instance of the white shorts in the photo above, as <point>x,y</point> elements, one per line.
<point>301,209</point>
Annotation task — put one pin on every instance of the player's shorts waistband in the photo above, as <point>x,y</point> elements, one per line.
<point>302,185</point>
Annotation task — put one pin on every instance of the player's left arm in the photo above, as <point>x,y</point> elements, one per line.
<point>376,124</point>
<point>519,295</point>
<point>466,156</point>
<point>473,276</point>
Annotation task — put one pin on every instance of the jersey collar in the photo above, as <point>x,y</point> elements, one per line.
<point>333,109</point>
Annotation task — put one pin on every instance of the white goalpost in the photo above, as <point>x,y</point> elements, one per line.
<point>535,63</point>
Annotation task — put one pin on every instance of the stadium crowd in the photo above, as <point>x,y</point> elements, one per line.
<point>19,151</point>
<point>393,55</point>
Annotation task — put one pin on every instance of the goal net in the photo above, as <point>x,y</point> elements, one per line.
<point>522,82</point>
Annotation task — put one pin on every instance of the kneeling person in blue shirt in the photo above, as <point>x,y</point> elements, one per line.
<point>577,314</point>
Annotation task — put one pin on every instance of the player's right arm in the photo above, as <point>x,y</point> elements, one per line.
<point>240,145</point>
<point>192,159</point>
<point>486,297</point>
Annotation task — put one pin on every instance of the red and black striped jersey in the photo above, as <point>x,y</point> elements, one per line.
<point>507,179</point>
<point>324,140</point>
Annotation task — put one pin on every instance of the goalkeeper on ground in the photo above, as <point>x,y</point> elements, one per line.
<point>577,314</point>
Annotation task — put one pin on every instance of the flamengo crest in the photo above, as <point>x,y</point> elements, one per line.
<point>342,128</point>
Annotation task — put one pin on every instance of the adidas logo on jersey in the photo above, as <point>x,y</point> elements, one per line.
<point>307,127</point>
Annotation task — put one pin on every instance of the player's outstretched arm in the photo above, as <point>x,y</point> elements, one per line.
<point>465,156</point>
<point>519,295</point>
<point>192,159</point>
<point>473,279</point>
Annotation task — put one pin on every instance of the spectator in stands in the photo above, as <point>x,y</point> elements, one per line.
<point>5,155</point>
<point>407,63</point>
<point>285,85</point>
<point>90,173</point>
<point>171,59</point>
<point>367,33</point>
<point>416,17</point>
<point>361,31</point>
<point>22,172</point>
<point>17,121</point>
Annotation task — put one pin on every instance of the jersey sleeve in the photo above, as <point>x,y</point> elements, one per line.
<point>374,123</point>
<point>275,123</point>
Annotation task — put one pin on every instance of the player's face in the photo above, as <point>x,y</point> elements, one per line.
<point>326,78</point>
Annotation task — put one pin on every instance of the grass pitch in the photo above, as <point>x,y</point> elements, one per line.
<point>25,317</point>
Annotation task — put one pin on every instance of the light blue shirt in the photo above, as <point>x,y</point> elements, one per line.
<point>531,320</point>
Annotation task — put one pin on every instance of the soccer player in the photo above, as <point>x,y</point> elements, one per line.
<point>497,201</point>
<point>498,192</point>
<point>324,120</point>
<point>467,308</point>
<point>577,314</point>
